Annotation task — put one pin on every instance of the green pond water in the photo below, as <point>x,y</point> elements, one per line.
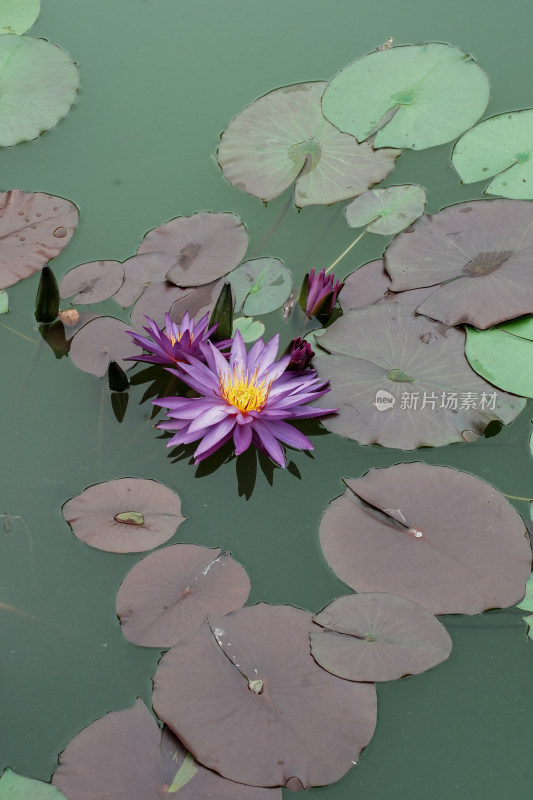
<point>160,81</point>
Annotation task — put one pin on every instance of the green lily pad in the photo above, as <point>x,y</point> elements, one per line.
<point>501,146</point>
<point>283,137</point>
<point>16,787</point>
<point>529,621</point>
<point>4,302</point>
<point>250,329</point>
<point>39,84</point>
<point>16,16</point>
<point>527,602</point>
<point>260,285</point>
<point>422,95</point>
<point>388,211</point>
<point>503,356</point>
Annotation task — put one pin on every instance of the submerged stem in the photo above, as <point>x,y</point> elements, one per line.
<point>275,226</point>
<point>18,333</point>
<point>515,497</point>
<point>357,239</point>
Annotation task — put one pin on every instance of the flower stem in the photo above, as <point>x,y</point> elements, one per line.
<point>346,251</point>
<point>515,497</point>
<point>275,226</point>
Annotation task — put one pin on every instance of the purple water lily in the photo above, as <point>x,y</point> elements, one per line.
<point>176,343</point>
<point>319,293</point>
<point>248,398</point>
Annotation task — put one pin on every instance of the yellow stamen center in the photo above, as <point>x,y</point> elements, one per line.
<point>243,391</point>
<point>173,339</point>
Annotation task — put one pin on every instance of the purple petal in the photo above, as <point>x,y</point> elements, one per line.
<point>289,435</point>
<point>242,437</point>
<point>212,449</point>
<point>214,436</point>
<point>270,444</point>
<point>238,353</point>
<point>208,418</point>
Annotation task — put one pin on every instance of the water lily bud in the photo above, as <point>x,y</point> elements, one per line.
<point>47,300</point>
<point>222,315</point>
<point>318,294</point>
<point>117,378</point>
<point>301,354</point>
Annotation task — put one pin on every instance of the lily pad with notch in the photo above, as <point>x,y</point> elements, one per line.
<point>503,355</point>
<point>414,96</point>
<point>92,282</point>
<point>370,284</point>
<point>167,595</point>
<point>34,228</point>
<point>245,683</point>
<point>438,536</point>
<point>205,246</point>
<point>386,211</point>
<point>250,329</point>
<point>482,251</point>
<point>17,16</point>
<point>40,82</point>
<point>100,341</point>
<point>141,272</point>
<point>378,636</point>
<point>126,754</point>
<point>283,137</point>
<point>260,285</point>
<point>402,380</point>
<point>127,515</point>
<point>503,146</point>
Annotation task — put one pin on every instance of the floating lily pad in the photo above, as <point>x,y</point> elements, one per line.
<point>92,282</point>
<point>371,284</point>
<point>482,250</point>
<point>440,537</point>
<point>423,95</point>
<point>386,211</point>
<point>101,516</point>
<point>205,246</point>
<point>245,683</point>
<point>168,594</point>
<point>17,787</point>
<point>401,380</point>
<point>39,84</point>
<point>502,146</point>
<point>376,636</point>
<point>527,602</point>
<point>17,16</point>
<point>155,301</point>
<point>100,341</point>
<point>199,301</point>
<point>250,329</point>
<point>504,355</point>
<point>4,302</point>
<point>140,272</point>
<point>260,285</point>
<point>34,228</point>
<point>124,754</point>
<point>283,137</point>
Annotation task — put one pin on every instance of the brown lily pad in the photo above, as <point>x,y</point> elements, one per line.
<point>402,380</point>
<point>205,246</point>
<point>155,301</point>
<point>483,253</point>
<point>125,755</point>
<point>376,636</point>
<point>92,282</point>
<point>283,137</point>
<point>100,341</point>
<point>440,537</point>
<point>247,699</point>
<point>168,594</point>
<point>371,284</point>
<point>140,272</point>
<point>127,515</point>
<point>34,228</point>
